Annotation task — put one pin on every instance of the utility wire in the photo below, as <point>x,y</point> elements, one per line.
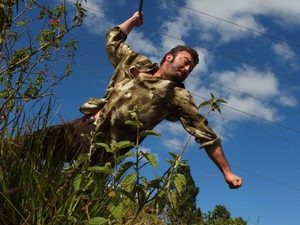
<point>254,116</point>
<point>275,181</point>
<point>257,98</point>
<point>276,137</point>
<point>268,178</point>
<point>272,37</point>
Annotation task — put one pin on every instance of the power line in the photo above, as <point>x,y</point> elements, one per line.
<point>268,178</point>
<point>277,137</point>
<point>254,116</point>
<point>257,98</point>
<point>275,181</point>
<point>272,37</point>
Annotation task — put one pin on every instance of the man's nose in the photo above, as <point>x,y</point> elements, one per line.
<point>187,69</point>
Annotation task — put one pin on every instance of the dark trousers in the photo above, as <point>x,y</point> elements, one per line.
<point>63,141</point>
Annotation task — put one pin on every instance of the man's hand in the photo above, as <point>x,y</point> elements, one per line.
<point>217,155</point>
<point>233,180</point>
<point>138,19</point>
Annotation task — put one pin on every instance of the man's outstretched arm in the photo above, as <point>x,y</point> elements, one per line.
<point>217,156</point>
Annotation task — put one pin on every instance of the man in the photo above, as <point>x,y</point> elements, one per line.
<point>159,90</point>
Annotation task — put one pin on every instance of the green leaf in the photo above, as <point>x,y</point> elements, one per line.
<point>170,161</point>
<point>116,211</point>
<point>154,183</point>
<point>77,182</point>
<point>103,145</point>
<point>179,182</point>
<point>151,159</point>
<point>124,144</point>
<point>91,181</point>
<point>205,103</point>
<point>174,156</point>
<point>221,100</point>
<point>21,22</point>
<point>100,169</point>
<point>82,158</point>
<point>97,221</point>
<point>68,69</point>
<point>129,181</point>
<point>133,123</point>
<point>149,132</point>
<point>172,198</point>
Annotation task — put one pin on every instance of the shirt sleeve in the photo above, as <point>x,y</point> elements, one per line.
<point>192,121</point>
<point>115,45</point>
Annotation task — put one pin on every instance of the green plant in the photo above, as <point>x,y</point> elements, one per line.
<point>33,38</point>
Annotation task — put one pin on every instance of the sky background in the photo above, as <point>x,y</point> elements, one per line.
<point>249,55</point>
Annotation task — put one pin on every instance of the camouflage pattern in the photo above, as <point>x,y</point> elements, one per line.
<point>159,98</point>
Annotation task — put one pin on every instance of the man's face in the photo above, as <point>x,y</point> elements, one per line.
<point>178,67</point>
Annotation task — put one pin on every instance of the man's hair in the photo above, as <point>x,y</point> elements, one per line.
<point>180,48</point>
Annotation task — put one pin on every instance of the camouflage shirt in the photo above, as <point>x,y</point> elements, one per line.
<point>159,98</point>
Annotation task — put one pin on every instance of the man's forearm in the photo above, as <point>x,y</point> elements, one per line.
<point>135,20</point>
<point>217,156</point>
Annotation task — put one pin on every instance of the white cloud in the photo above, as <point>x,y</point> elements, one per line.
<point>286,99</point>
<point>231,21</point>
<point>249,105</point>
<point>249,81</point>
<point>261,85</point>
<point>141,44</point>
<point>284,52</point>
<point>96,20</point>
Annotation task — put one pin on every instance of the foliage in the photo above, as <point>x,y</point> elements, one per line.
<point>186,211</point>
<point>221,216</point>
<point>33,39</point>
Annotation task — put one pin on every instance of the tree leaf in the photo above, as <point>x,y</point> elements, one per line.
<point>150,158</point>
<point>133,123</point>
<point>116,211</point>
<point>100,169</point>
<point>77,182</point>
<point>125,144</point>
<point>149,132</point>
<point>103,145</point>
<point>129,181</point>
<point>205,103</point>
<point>174,156</point>
<point>221,100</point>
<point>179,182</point>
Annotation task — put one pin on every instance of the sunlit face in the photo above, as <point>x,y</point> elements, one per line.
<point>178,67</point>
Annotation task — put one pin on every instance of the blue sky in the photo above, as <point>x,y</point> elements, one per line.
<point>249,55</point>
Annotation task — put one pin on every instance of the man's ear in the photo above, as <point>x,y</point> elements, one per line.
<point>169,57</point>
